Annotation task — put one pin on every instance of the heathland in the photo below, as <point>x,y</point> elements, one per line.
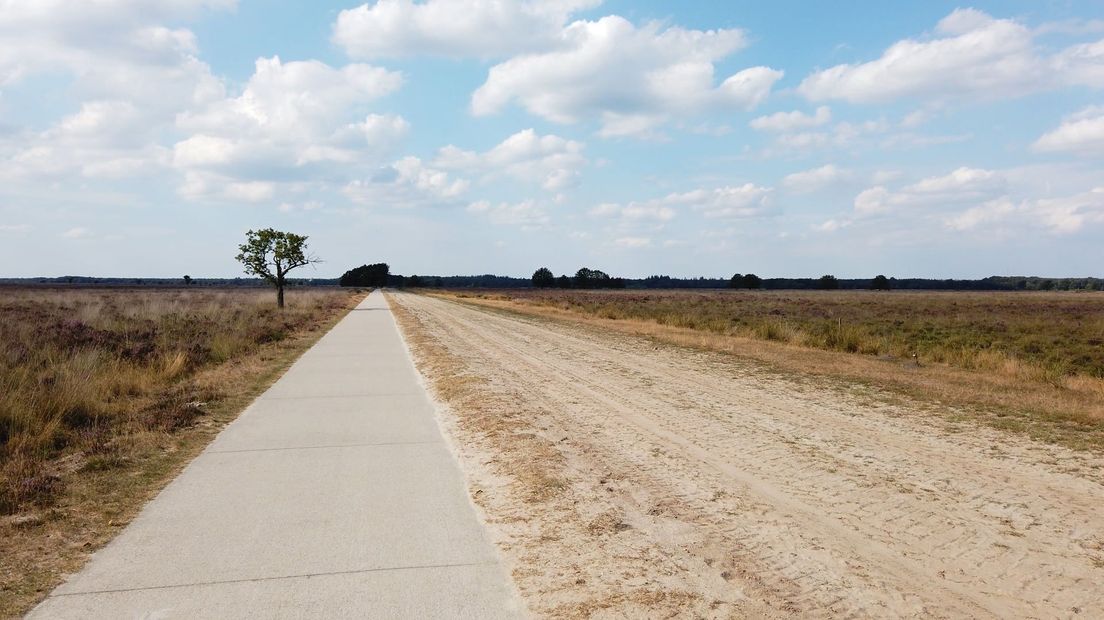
<point>104,393</point>
<point>1039,355</point>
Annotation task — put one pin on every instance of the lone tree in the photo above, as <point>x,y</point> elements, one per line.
<point>543,278</point>
<point>752,281</point>
<point>187,280</point>
<point>880,283</point>
<point>271,254</point>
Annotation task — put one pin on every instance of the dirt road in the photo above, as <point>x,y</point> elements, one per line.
<point>624,478</point>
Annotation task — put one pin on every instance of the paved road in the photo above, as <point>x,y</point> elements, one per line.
<point>333,495</point>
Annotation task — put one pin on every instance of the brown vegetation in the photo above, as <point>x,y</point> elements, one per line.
<point>105,393</point>
<point>1028,362</point>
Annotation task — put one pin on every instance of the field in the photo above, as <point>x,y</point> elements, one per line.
<point>1033,361</point>
<point>690,473</point>
<point>1052,335</point>
<point>104,393</point>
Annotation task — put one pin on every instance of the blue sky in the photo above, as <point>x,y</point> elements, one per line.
<point>929,139</point>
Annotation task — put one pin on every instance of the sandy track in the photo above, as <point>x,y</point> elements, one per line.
<point>698,484</point>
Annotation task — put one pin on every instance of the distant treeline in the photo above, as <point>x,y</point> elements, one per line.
<point>163,282</point>
<point>379,275</point>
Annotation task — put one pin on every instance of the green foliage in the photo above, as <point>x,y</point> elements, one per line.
<point>880,283</point>
<point>828,283</point>
<point>752,281</point>
<point>271,254</point>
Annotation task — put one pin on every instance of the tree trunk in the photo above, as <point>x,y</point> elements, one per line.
<point>280,295</point>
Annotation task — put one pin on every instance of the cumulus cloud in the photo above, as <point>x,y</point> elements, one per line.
<point>453,28</point>
<point>552,162</point>
<point>1081,133</point>
<point>815,179</point>
<point>1062,215</point>
<point>408,182</point>
<point>128,71</point>
<point>103,139</point>
<point>112,50</point>
<point>292,121</point>
<point>632,79</point>
<point>963,185</point>
<point>739,201</point>
<point>789,121</point>
<point>970,54</point>
<point>527,215</point>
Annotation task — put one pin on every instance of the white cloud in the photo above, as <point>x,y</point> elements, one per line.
<point>632,79</point>
<point>77,233</point>
<point>833,225</point>
<point>293,121</point>
<point>840,135</point>
<point>551,161</point>
<point>1069,214</point>
<point>104,139</point>
<point>1062,215</point>
<point>250,191</point>
<point>960,186</point>
<point>453,28</point>
<point>129,72</point>
<point>310,205</point>
<point>407,183</point>
<point>1081,133</point>
<point>970,199</point>
<point>815,179</point>
<point>633,242</point>
<point>527,215</point>
<point>789,121</point>
<point>748,200</point>
<point>971,54</point>
<point>987,213</point>
<point>654,210</point>
<point>742,201</point>
<point>14,228</point>
<point>112,50</point>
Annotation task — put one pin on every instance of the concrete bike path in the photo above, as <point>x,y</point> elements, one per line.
<point>333,495</point>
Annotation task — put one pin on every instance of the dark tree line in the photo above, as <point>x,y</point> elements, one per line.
<point>585,278</point>
<point>749,280</point>
<point>376,274</point>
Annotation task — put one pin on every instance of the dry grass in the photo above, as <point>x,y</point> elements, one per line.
<point>1045,336</point>
<point>106,394</point>
<point>531,460</point>
<point>977,383</point>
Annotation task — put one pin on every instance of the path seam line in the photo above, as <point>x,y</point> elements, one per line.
<point>277,578</point>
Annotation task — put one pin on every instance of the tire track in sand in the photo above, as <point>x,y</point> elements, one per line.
<point>845,508</point>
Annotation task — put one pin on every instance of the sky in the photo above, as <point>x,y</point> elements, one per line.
<point>790,139</point>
